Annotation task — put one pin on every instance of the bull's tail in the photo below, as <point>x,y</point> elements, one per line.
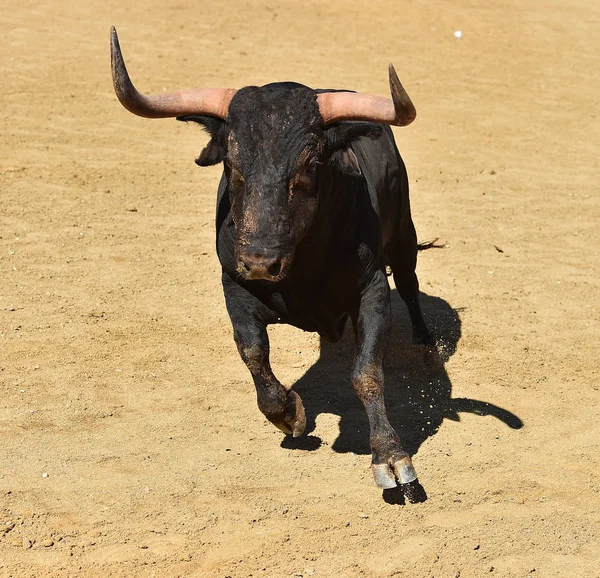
<point>431,245</point>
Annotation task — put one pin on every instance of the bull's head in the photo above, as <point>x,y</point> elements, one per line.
<point>274,141</point>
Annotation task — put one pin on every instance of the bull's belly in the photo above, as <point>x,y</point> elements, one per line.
<point>330,329</point>
<point>323,316</point>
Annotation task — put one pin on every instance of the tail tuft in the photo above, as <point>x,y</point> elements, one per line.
<point>431,245</point>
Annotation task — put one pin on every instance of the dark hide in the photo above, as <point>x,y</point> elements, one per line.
<point>308,217</point>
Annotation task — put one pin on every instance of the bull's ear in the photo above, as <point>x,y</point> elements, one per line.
<point>340,136</point>
<point>346,161</point>
<point>216,149</point>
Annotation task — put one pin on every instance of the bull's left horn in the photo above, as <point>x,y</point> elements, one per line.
<point>206,101</point>
<point>399,111</point>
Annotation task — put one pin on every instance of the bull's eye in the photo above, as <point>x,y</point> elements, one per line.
<point>304,183</point>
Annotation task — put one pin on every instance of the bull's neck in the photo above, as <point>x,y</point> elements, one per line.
<point>334,220</point>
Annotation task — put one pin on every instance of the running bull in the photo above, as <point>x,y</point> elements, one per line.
<point>312,206</point>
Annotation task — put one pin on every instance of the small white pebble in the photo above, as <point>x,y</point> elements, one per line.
<point>458,34</point>
<point>44,475</point>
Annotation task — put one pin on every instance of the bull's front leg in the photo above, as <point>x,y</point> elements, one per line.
<point>281,406</point>
<point>390,463</point>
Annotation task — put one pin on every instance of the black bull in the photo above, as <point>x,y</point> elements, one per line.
<point>311,209</point>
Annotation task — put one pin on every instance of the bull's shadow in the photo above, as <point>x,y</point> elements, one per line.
<point>418,390</point>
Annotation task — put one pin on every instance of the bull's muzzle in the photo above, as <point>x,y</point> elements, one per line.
<point>266,267</point>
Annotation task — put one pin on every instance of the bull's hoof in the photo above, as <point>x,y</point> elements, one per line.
<point>399,472</point>
<point>422,336</point>
<point>294,417</point>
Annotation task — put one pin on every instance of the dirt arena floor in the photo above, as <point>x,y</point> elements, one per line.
<point>131,442</point>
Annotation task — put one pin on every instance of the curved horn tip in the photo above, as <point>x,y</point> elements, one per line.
<point>124,89</point>
<point>402,101</point>
<point>113,35</point>
<point>393,75</point>
<point>115,48</point>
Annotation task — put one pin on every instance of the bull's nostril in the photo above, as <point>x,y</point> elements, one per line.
<point>275,269</point>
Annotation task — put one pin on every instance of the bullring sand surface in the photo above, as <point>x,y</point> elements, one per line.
<point>131,442</point>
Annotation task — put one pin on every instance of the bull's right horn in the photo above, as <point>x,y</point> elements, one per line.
<point>204,101</point>
<point>397,111</point>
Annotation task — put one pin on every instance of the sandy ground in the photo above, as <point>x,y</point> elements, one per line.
<point>131,442</point>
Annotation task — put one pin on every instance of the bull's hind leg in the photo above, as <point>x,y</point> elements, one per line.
<point>390,463</point>
<point>408,287</point>
<point>282,407</point>
<point>401,255</point>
